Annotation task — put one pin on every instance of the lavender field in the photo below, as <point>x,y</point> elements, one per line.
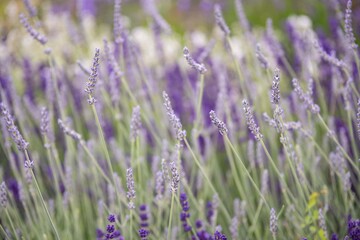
<point>158,119</point>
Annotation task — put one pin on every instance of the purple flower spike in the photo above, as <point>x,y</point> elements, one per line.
<point>184,215</point>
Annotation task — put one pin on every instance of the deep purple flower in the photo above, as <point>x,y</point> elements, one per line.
<point>219,236</point>
<point>334,236</point>
<point>111,232</point>
<point>354,229</point>
<point>184,215</point>
<point>144,216</point>
<point>143,233</point>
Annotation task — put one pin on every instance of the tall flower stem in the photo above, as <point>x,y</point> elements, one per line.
<point>170,217</point>
<point>199,101</point>
<point>227,140</point>
<point>42,198</point>
<point>356,168</point>
<point>207,179</point>
<point>11,223</point>
<point>237,67</point>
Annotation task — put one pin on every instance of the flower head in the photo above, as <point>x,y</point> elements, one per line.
<point>218,123</point>
<point>220,20</point>
<point>195,65</point>
<point>90,86</point>
<point>255,130</point>
<point>20,142</point>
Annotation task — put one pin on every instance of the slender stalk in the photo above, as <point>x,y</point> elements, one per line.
<point>199,101</point>
<point>42,199</point>
<point>227,140</point>
<point>102,139</point>
<point>356,168</point>
<point>11,223</point>
<point>207,179</point>
<point>170,217</point>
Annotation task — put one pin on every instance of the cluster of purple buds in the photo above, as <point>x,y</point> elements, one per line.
<point>353,231</point>
<point>184,215</point>
<point>110,233</point>
<point>201,233</point>
<point>219,236</point>
<point>144,222</point>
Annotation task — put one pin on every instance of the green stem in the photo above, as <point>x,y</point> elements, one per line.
<point>199,101</point>
<point>207,179</point>
<point>246,171</point>
<point>42,198</point>
<point>170,217</point>
<point>337,143</point>
<point>11,223</point>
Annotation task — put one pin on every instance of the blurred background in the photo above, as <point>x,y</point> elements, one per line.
<point>187,15</point>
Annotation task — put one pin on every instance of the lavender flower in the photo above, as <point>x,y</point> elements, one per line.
<point>111,232</point>
<point>175,177</point>
<point>143,234</point>
<point>358,118</point>
<point>76,136</point>
<point>328,58</point>
<point>273,222</point>
<point>30,8</point>
<point>348,28</point>
<point>90,86</point>
<point>353,229</point>
<point>255,130</point>
<point>275,90</point>
<point>265,182</point>
<point>44,126</point>
<point>241,15</point>
<point>185,215</point>
<point>261,58</point>
<point>218,123</point>
<point>144,216</point>
<point>195,65</point>
<point>135,124</point>
<point>20,142</point>
<point>234,228</point>
<point>117,21</point>
<point>159,185</point>
<point>219,236</point>
<point>35,34</point>
<point>3,195</point>
<point>305,97</point>
<point>131,194</point>
<point>174,120</point>
<point>220,20</point>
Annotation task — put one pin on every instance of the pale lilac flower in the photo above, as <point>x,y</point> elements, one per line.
<point>261,58</point>
<point>220,20</point>
<point>174,120</point>
<point>218,123</point>
<point>135,124</point>
<point>44,125</point>
<point>3,195</point>
<point>131,194</point>
<point>305,98</point>
<point>273,222</point>
<point>30,8</point>
<point>20,142</point>
<point>90,86</point>
<point>195,65</point>
<point>255,130</point>
<point>348,27</point>
<point>32,31</point>
<point>70,132</point>
<point>358,118</point>
<point>275,88</point>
